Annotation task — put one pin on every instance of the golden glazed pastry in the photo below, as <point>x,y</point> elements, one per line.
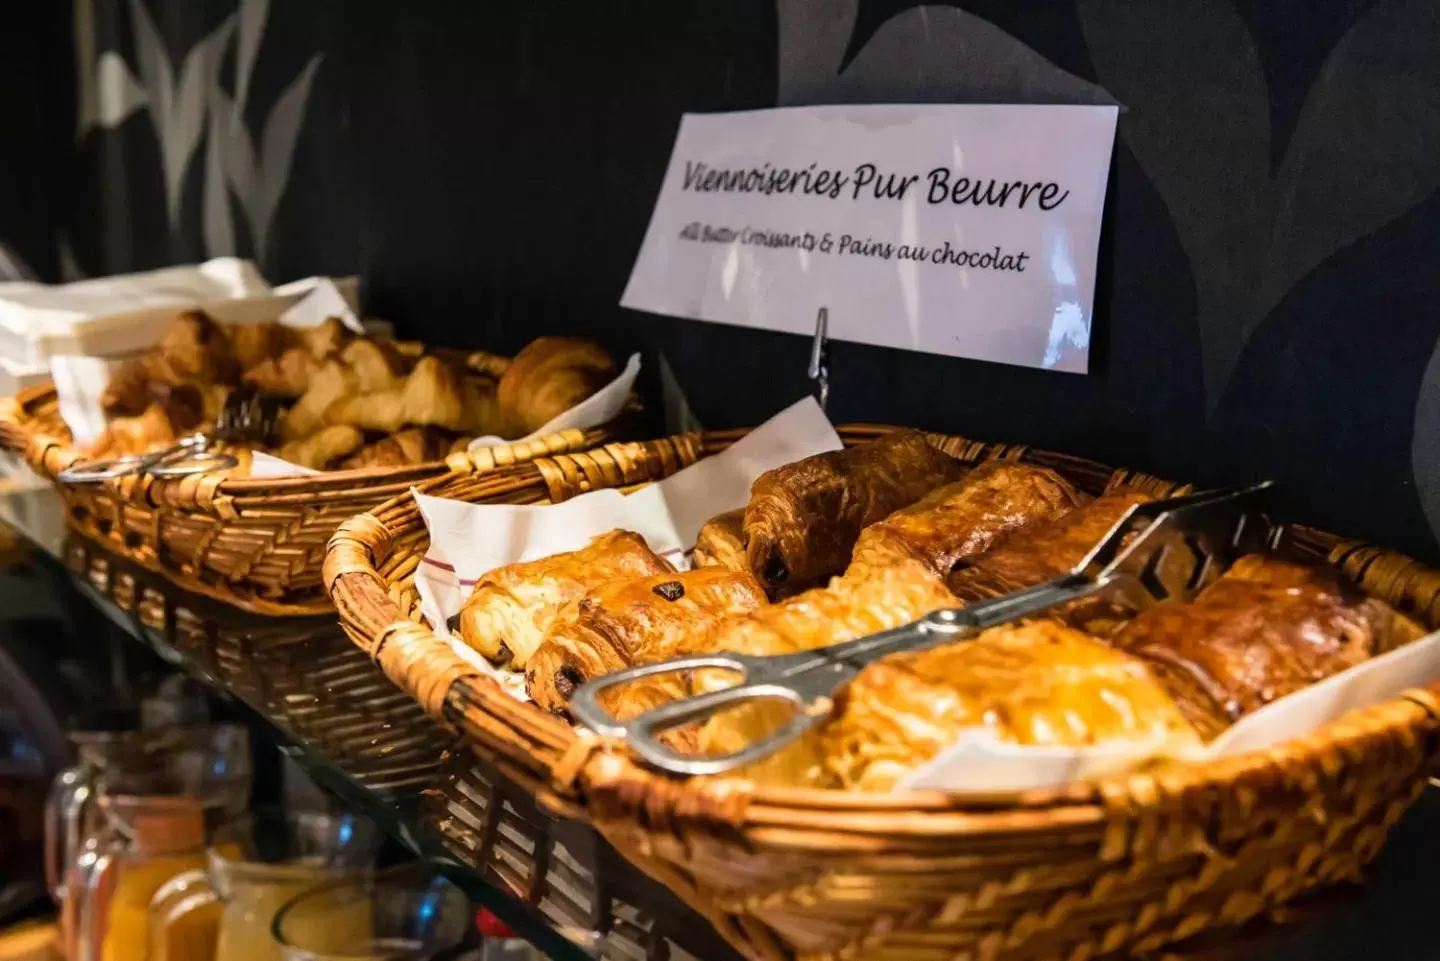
<point>966,518</point>
<point>125,436</point>
<point>329,384</point>
<point>194,349</point>
<point>1039,683</point>
<point>628,622</point>
<point>326,339</point>
<point>1264,629</point>
<point>803,519</point>
<point>548,377</point>
<point>322,449</point>
<point>512,607</point>
<point>287,375</point>
<point>254,344</point>
<point>1039,552</point>
<point>721,543</point>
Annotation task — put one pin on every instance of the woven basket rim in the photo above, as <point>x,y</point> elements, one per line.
<point>578,763</point>
<point>20,432</point>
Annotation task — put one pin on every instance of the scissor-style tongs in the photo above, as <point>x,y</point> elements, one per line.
<point>1162,550</point>
<point>246,416</point>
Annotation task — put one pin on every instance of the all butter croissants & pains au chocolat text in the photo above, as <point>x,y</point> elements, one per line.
<point>548,377</point>
<point>629,622</point>
<point>507,614</point>
<point>803,519</point>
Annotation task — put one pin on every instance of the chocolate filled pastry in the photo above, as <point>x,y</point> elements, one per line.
<point>628,622</point>
<point>1039,552</point>
<point>1038,684</point>
<point>721,542</point>
<point>803,519</point>
<point>512,607</point>
<point>1264,629</point>
<point>966,518</point>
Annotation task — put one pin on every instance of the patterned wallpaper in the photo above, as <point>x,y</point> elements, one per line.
<point>1266,297</point>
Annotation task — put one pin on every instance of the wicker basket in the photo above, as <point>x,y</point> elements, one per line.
<point>302,674</point>
<point>255,543</point>
<point>1127,865</point>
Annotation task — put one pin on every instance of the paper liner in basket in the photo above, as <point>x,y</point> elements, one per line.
<point>469,540</point>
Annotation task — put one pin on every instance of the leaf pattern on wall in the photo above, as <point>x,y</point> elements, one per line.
<point>1199,124</point>
<point>924,54</point>
<point>177,107</point>
<point>192,105</point>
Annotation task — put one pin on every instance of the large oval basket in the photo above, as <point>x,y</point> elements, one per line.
<point>1126,865</point>
<point>255,543</point>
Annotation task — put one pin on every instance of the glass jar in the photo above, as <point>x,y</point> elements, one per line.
<point>252,868</point>
<point>402,914</point>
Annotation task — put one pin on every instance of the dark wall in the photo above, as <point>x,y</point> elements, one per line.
<point>1267,295</point>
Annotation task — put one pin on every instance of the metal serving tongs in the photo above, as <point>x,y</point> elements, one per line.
<point>247,416</point>
<point>1159,551</point>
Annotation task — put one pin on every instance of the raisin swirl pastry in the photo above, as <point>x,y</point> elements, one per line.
<point>630,622</point>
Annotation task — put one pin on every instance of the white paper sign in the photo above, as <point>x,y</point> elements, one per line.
<point>962,229</point>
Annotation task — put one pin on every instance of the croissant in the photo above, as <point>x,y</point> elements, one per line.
<point>416,445</point>
<point>1038,552</point>
<point>803,519</point>
<point>627,622</point>
<point>963,519</point>
<point>254,344</point>
<point>194,348</point>
<point>128,392</point>
<point>125,436</point>
<point>376,367</point>
<point>322,448</point>
<point>1264,629</point>
<point>380,412</point>
<point>330,383</point>
<point>1039,683</point>
<point>287,375</point>
<point>548,377</point>
<point>511,607</point>
<point>721,543</point>
<point>326,339</point>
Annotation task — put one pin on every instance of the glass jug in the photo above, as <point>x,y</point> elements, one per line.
<point>72,792</point>
<point>401,914</point>
<point>252,868</point>
<point>145,824</point>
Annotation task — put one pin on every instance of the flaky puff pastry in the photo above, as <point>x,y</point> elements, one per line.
<point>1264,629</point>
<point>548,377</point>
<point>721,542</point>
<point>194,349</point>
<point>1038,552</point>
<point>324,448</point>
<point>1039,684</point>
<point>287,375</point>
<point>511,608</point>
<point>963,519</point>
<point>254,344</point>
<point>332,382</point>
<point>126,436</point>
<point>803,519</point>
<point>628,622</point>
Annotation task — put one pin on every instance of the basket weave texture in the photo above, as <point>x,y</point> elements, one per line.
<point>1127,865</point>
<point>255,543</point>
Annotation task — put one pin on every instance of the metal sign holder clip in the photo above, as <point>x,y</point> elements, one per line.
<point>819,370</point>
